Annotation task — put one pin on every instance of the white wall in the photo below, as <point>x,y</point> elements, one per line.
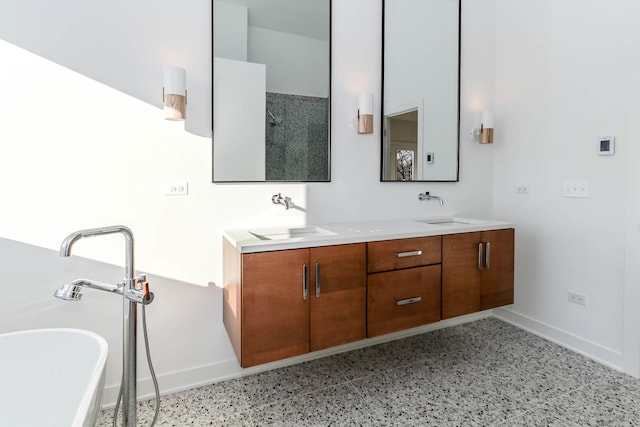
<point>295,64</point>
<point>84,145</point>
<point>239,122</point>
<point>565,76</point>
<point>231,23</point>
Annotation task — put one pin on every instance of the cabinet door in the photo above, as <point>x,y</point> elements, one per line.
<point>402,299</point>
<point>275,316</point>
<point>337,295</point>
<point>496,287</point>
<point>460,274</point>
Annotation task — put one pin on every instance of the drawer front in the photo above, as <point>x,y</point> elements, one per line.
<point>402,299</point>
<point>403,253</point>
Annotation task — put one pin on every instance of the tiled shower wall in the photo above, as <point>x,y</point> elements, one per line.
<point>297,140</point>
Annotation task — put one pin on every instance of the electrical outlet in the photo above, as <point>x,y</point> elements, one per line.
<point>577,298</point>
<point>579,189</point>
<point>523,189</point>
<point>176,189</point>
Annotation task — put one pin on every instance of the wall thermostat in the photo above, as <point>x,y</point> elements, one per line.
<point>606,145</point>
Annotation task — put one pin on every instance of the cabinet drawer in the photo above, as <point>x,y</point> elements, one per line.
<point>403,253</point>
<point>402,299</point>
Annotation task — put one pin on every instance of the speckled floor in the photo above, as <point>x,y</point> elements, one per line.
<point>484,373</point>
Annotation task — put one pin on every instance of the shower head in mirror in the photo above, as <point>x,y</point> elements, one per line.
<point>274,120</point>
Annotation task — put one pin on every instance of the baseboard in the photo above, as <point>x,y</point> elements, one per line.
<point>177,381</point>
<point>228,369</point>
<point>594,351</point>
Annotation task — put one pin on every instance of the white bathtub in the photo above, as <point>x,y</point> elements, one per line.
<point>51,377</point>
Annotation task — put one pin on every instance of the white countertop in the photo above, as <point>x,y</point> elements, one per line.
<point>280,238</point>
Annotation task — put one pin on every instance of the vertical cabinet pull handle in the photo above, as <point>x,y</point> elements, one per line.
<point>480,256</point>
<point>317,279</point>
<point>305,282</point>
<point>487,256</point>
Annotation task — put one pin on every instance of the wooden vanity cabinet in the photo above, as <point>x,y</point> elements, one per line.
<point>285,303</point>
<point>403,284</point>
<point>477,271</point>
<point>280,304</point>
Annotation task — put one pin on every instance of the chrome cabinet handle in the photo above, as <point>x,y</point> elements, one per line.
<point>410,253</point>
<point>408,301</point>
<point>479,256</point>
<point>305,282</point>
<point>317,279</point>
<point>487,256</point>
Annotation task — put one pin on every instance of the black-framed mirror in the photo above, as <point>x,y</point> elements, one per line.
<point>421,90</point>
<point>271,90</point>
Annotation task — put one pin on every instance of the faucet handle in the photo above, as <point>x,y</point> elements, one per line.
<point>147,293</point>
<point>144,287</point>
<point>277,199</point>
<point>140,278</point>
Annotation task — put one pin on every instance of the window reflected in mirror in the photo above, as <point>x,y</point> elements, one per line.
<point>403,140</point>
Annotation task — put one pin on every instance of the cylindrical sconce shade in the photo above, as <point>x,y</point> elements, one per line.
<point>365,113</point>
<point>486,127</point>
<point>174,93</point>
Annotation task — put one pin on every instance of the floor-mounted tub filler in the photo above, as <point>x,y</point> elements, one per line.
<point>134,290</point>
<point>51,377</point>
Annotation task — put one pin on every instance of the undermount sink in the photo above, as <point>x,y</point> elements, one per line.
<point>283,233</point>
<point>446,222</point>
<point>449,222</point>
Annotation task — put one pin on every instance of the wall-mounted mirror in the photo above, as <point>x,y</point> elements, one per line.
<point>271,90</point>
<point>421,85</point>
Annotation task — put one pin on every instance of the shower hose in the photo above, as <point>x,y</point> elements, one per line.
<point>153,376</point>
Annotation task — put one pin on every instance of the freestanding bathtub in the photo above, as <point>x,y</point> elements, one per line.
<point>51,377</point>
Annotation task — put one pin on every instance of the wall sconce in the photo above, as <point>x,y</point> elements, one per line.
<point>365,113</point>
<point>174,93</point>
<point>484,134</point>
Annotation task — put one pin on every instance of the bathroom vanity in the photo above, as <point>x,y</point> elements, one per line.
<point>290,291</point>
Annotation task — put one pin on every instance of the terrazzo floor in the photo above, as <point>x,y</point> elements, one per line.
<point>483,373</point>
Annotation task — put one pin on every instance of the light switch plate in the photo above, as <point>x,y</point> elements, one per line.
<point>578,189</point>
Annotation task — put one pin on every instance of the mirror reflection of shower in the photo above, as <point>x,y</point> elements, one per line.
<point>274,120</point>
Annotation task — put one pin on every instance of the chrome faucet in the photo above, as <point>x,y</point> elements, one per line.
<point>277,199</point>
<point>427,196</point>
<point>131,296</point>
